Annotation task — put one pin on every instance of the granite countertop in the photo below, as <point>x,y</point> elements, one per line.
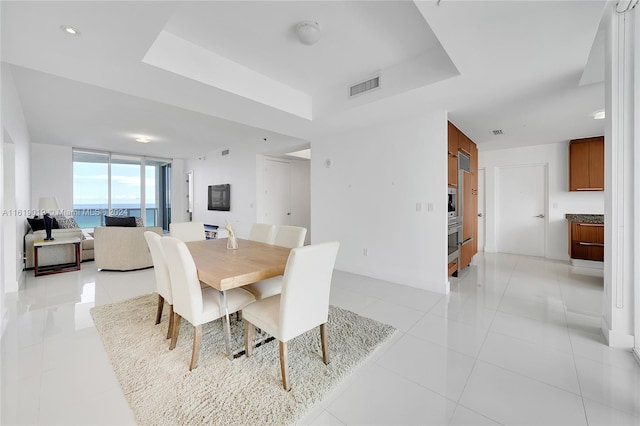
<point>585,218</point>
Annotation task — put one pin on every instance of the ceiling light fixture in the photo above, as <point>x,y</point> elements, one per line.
<point>599,115</point>
<point>69,30</point>
<point>308,32</point>
<point>143,139</point>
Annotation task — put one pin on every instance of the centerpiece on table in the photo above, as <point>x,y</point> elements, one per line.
<point>232,242</point>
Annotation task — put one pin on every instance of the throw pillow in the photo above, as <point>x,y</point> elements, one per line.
<point>36,224</point>
<point>119,221</point>
<point>65,222</point>
<point>139,221</point>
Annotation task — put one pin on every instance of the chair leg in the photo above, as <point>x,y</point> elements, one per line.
<point>159,311</point>
<point>239,315</point>
<point>249,337</point>
<point>175,331</point>
<point>324,339</point>
<point>284,362</point>
<point>171,319</point>
<point>195,353</point>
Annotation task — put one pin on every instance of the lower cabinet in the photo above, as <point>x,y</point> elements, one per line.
<point>452,268</point>
<point>586,241</point>
<point>466,253</point>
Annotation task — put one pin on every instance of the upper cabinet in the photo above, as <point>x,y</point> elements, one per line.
<point>586,164</point>
<point>452,155</point>
<point>464,143</point>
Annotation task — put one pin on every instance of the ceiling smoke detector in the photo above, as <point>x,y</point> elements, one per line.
<point>308,32</point>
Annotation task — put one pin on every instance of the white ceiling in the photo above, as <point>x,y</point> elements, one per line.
<point>511,65</point>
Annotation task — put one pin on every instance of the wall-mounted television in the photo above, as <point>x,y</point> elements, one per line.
<point>219,197</point>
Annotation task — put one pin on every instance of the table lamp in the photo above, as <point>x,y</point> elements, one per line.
<point>46,205</point>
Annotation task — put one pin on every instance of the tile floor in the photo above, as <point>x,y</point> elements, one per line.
<point>516,342</point>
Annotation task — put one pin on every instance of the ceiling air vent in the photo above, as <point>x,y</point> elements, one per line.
<point>497,132</point>
<point>365,86</point>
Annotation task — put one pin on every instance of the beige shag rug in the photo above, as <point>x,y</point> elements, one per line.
<point>161,390</point>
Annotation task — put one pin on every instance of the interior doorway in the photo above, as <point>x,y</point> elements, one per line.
<point>521,214</point>
<point>284,192</point>
<point>277,194</point>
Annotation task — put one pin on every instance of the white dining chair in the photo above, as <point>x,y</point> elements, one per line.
<point>195,304</point>
<point>262,233</point>
<point>302,305</point>
<point>163,281</point>
<point>290,236</point>
<point>187,231</point>
<point>287,236</point>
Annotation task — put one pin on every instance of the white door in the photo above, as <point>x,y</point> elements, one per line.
<point>277,205</point>
<point>481,214</point>
<point>520,215</point>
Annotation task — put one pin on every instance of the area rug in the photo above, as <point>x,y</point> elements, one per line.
<point>161,390</point>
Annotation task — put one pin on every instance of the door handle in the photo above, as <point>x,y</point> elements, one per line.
<point>479,214</point>
<point>541,216</point>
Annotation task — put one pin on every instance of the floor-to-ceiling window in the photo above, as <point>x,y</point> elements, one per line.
<point>120,185</point>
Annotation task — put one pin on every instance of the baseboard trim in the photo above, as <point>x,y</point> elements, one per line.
<point>581,263</point>
<point>615,339</point>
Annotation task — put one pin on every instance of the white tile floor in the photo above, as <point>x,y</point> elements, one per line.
<point>516,342</point>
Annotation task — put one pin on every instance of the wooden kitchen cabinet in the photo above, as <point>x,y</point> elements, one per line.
<point>586,241</point>
<point>452,155</point>
<point>586,164</point>
<point>469,219</point>
<point>464,143</point>
<point>466,253</point>
<point>467,183</point>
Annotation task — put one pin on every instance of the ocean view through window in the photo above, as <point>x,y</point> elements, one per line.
<point>120,185</point>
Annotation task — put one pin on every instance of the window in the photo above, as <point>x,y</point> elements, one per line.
<point>120,185</point>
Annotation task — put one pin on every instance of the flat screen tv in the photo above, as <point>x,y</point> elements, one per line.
<point>219,197</point>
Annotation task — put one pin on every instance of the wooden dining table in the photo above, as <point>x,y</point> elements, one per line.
<point>225,269</point>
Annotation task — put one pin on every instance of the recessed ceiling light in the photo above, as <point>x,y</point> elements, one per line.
<point>69,30</point>
<point>143,140</point>
<point>599,115</point>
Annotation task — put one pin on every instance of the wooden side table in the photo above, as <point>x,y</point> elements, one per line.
<point>56,269</point>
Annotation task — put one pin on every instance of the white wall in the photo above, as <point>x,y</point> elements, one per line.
<point>178,191</point>
<point>238,169</point>
<point>301,195</point>
<point>52,174</point>
<point>17,183</point>
<point>560,200</point>
<point>367,197</point>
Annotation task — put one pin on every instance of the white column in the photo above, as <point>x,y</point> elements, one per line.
<point>635,18</point>
<point>620,181</point>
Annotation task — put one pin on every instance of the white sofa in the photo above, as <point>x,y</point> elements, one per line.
<point>121,248</point>
<point>56,255</point>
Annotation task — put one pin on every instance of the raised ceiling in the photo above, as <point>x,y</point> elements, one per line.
<point>514,65</point>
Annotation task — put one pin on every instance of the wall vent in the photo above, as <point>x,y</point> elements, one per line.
<point>497,132</point>
<point>365,86</point>
<point>225,152</point>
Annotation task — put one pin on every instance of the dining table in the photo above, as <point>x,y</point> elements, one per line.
<point>224,269</point>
